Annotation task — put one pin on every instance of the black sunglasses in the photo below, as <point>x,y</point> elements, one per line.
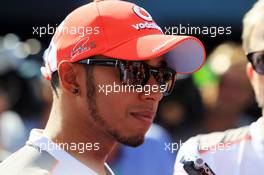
<point>257,61</point>
<point>138,72</point>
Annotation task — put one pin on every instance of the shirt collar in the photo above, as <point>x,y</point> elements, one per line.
<point>42,142</point>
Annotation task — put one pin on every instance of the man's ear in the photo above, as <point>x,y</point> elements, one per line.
<point>250,71</point>
<point>68,76</point>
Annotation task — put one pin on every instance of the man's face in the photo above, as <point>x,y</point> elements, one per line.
<point>125,116</point>
<point>256,43</point>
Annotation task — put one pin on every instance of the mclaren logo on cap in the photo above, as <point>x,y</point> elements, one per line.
<point>142,13</point>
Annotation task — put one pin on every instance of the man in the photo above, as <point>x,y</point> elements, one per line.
<point>92,107</point>
<point>237,151</point>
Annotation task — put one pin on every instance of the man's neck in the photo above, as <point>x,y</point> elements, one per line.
<point>91,147</point>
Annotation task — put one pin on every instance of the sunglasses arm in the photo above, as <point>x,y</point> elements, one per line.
<point>101,62</point>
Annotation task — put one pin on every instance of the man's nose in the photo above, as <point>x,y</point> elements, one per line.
<point>152,92</point>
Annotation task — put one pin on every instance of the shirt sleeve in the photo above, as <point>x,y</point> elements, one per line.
<point>189,148</point>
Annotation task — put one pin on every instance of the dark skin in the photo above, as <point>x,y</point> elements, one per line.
<point>92,117</point>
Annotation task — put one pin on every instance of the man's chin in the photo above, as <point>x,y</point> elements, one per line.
<point>132,141</point>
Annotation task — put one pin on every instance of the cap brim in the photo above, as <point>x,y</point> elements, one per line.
<point>185,54</point>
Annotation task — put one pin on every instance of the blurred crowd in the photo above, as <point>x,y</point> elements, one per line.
<point>216,98</point>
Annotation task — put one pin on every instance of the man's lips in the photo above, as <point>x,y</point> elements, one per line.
<point>145,116</point>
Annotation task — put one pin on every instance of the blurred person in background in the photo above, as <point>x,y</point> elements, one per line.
<point>12,128</point>
<point>20,99</point>
<point>46,94</point>
<point>182,113</point>
<point>229,96</point>
<point>3,106</point>
<point>236,151</point>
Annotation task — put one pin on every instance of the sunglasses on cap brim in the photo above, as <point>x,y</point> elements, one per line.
<point>257,61</point>
<point>138,72</point>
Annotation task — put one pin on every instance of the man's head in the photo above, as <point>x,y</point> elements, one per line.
<point>253,44</point>
<point>114,74</point>
<point>124,114</point>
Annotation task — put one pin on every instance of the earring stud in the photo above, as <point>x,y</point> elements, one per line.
<point>75,90</point>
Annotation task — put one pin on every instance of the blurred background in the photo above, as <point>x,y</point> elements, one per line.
<point>216,98</point>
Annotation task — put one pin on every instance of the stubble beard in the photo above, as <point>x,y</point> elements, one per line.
<point>91,94</point>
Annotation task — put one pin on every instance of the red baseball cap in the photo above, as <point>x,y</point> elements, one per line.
<point>121,30</point>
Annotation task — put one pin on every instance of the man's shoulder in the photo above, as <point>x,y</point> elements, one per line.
<point>28,161</point>
<point>222,139</point>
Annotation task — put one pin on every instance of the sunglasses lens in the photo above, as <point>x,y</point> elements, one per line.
<point>257,60</point>
<point>138,73</point>
<point>165,78</point>
<point>134,73</point>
